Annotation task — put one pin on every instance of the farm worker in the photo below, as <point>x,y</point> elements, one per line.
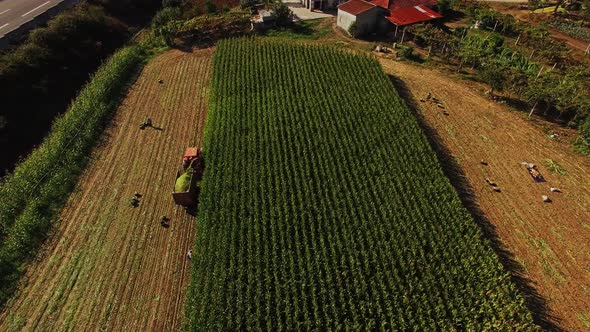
<point>165,221</point>
<point>148,122</point>
<point>189,255</point>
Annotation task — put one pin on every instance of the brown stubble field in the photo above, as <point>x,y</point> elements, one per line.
<point>109,266</point>
<point>547,243</point>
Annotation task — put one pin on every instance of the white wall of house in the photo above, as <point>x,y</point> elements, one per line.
<point>345,20</point>
<point>366,22</point>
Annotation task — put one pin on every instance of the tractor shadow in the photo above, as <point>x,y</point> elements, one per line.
<point>193,210</point>
<point>452,169</point>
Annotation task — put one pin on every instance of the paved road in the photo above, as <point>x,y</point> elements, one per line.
<point>14,13</point>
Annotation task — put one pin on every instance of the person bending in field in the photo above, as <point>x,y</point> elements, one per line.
<point>164,221</point>
<point>146,123</point>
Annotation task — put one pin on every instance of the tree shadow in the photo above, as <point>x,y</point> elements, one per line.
<point>182,45</point>
<point>452,169</point>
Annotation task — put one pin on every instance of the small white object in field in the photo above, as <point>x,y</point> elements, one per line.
<point>546,199</point>
<point>555,190</point>
<point>554,135</point>
<point>189,255</point>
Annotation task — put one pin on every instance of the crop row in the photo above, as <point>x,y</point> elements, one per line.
<point>323,207</point>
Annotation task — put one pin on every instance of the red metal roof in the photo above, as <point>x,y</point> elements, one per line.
<point>191,152</point>
<point>355,7</point>
<point>393,4</point>
<point>381,3</point>
<point>410,15</point>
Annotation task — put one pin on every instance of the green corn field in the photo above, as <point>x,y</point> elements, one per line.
<point>323,206</point>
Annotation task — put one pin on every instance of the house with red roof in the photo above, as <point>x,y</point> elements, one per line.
<point>362,13</point>
<point>378,15</point>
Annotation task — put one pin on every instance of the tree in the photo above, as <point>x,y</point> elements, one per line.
<point>171,3</point>
<point>585,11</point>
<point>283,14</point>
<point>493,74</point>
<point>443,6</point>
<point>210,6</point>
<point>539,90</point>
<point>164,16</point>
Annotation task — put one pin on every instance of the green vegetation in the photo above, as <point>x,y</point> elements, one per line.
<point>183,182</point>
<point>323,206</point>
<point>520,58</point>
<point>284,16</point>
<point>203,28</point>
<point>353,29</point>
<point>582,144</point>
<point>571,28</point>
<point>32,196</point>
<point>192,8</point>
<point>40,77</point>
<point>309,30</point>
<point>554,167</point>
<point>549,9</point>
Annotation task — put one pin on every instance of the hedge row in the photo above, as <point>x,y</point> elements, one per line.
<point>33,195</point>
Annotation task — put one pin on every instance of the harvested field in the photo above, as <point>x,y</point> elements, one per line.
<point>548,242</point>
<point>109,266</point>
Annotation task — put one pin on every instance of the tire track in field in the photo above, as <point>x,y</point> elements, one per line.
<point>107,265</point>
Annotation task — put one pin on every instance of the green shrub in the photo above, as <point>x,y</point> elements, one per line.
<point>443,6</point>
<point>282,13</point>
<point>210,6</point>
<point>353,29</point>
<point>164,16</point>
<point>407,52</point>
<point>171,3</point>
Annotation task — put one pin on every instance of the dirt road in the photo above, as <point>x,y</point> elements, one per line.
<point>109,266</point>
<point>550,242</point>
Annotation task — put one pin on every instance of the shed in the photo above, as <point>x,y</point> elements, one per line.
<point>365,14</point>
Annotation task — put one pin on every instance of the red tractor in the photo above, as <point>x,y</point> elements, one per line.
<point>185,186</point>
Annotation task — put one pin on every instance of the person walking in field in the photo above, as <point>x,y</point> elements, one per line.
<point>189,255</point>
